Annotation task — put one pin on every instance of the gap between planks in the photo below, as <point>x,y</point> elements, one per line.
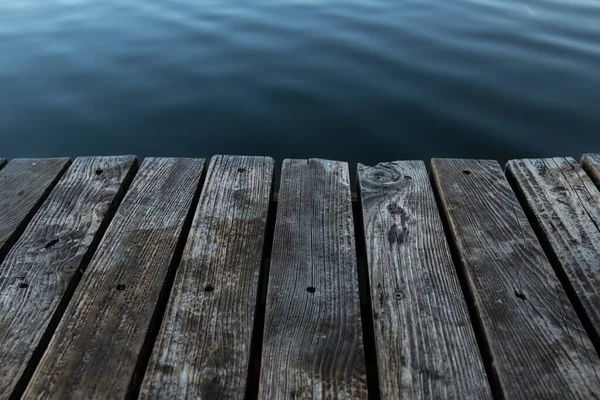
<point>563,206</point>
<point>537,342</point>
<point>426,347</point>
<point>203,349</point>
<point>50,257</point>
<point>271,225</point>
<point>99,344</point>
<point>24,185</point>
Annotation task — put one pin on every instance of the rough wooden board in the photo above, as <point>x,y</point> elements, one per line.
<point>24,184</point>
<point>58,241</point>
<point>95,349</point>
<point>425,343</point>
<point>313,346</point>
<point>203,349</point>
<point>591,165</point>
<point>565,206</point>
<point>537,344</point>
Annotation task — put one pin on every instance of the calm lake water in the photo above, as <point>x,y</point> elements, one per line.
<point>367,80</point>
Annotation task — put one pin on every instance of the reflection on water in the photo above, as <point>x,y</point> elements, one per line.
<point>353,80</point>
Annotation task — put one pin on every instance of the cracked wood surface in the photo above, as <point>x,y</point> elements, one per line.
<point>565,207</point>
<point>203,349</point>
<point>24,184</point>
<point>313,345</point>
<point>537,343</point>
<point>61,338</point>
<point>35,277</point>
<point>591,165</point>
<point>426,346</point>
<point>95,350</point>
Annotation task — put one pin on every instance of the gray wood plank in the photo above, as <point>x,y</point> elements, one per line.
<point>425,343</point>
<point>56,244</point>
<point>203,349</point>
<point>565,205</point>
<point>24,185</point>
<point>537,344</point>
<point>591,165</point>
<point>97,345</point>
<point>313,346</point>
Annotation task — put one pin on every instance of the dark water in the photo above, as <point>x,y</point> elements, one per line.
<point>366,80</point>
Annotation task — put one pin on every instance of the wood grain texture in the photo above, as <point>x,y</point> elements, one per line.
<point>24,185</point>
<point>565,205</point>
<point>591,165</point>
<point>425,343</point>
<point>537,344</point>
<point>203,349</point>
<point>56,244</point>
<point>313,346</point>
<point>95,349</point>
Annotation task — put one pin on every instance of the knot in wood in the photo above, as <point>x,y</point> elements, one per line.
<point>383,174</point>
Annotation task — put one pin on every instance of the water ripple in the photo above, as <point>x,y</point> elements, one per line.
<point>354,80</point>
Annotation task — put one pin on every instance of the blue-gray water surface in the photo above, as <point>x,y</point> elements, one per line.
<point>367,80</point>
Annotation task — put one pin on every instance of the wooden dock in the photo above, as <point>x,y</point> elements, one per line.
<point>186,278</point>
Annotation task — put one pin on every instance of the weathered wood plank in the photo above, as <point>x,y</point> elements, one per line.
<point>203,349</point>
<point>313,346</point>
<point>591,165</point>
<point>425,343</point>
<point>59,240</point>
<point>565,205</point>
<point>537,344</point>
<point>97,345</point>
<point>24,185</point>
